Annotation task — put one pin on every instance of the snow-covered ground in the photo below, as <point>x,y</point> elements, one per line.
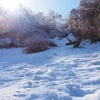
<point>61,73</point>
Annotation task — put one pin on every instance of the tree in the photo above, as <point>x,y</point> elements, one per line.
<point>84,22</point>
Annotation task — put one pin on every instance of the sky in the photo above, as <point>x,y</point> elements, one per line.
<point>59,6</point>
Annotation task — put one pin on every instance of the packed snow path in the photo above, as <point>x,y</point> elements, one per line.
<point>61,73</point>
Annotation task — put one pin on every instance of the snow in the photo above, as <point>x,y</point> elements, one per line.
<point>60,73</point>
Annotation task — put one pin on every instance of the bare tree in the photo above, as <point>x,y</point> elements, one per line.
<point>84,22</point>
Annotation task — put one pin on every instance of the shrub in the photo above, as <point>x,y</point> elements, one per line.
<point>6,43</point>
<point>37,44</point>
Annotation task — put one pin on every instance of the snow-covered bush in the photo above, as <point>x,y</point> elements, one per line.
<point>37,44</point>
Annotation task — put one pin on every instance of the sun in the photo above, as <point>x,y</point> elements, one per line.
<point>11,4</point>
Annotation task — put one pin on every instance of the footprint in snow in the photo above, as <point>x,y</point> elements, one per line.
<point>19,95</point>
<point>33,97</point>
<point>29,85</point>
<point>75,90</point>
<point>96,63</point>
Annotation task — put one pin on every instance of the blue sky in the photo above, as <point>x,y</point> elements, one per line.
<point>60,6</point>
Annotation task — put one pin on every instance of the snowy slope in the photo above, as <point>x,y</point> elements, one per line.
<point>61,73</point>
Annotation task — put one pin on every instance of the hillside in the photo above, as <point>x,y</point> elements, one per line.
<point>60,73</point>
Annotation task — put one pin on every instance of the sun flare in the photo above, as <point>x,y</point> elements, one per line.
<point>11,4</point>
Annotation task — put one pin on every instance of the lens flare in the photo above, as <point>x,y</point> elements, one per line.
<point>11,4</point>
